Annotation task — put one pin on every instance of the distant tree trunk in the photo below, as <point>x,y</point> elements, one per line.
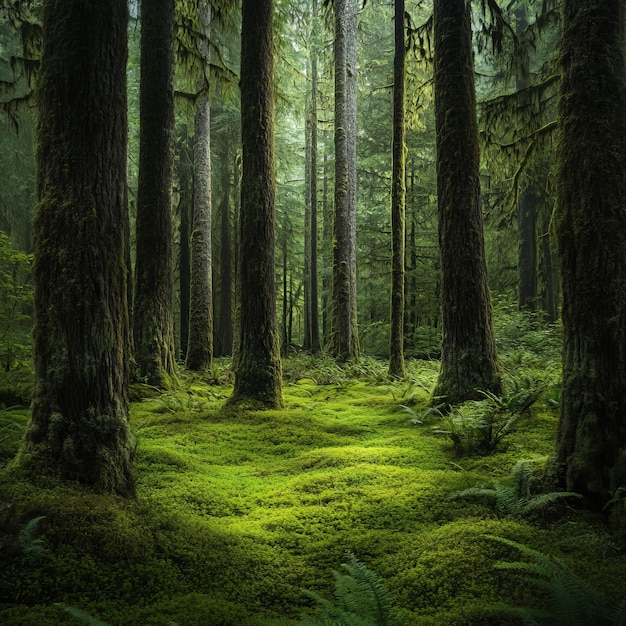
<point>316,345</point>
<point>527,201</point>
<point>200,349</point>
<point>284,343</point>
<point>468,360</point>
<point>527,247</point>
<point>308,331</point>
<point>79,423</point>
<point>225,328</point>
<point>398,198</point>
<point>550,292</point>
<point>153,313</point>
<point>185,194</point>
<point>327,253</point>
<point>590,226</point>
<point>344,334</point>
<point>258,368</point>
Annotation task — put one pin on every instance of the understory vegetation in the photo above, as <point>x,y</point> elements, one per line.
<point>242,517</point>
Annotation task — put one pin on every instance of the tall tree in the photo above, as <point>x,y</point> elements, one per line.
<point>258,367</point>
<point>344,334</point>
<point>398,196</point>
<point>152,314</point>
<point>79,423</point>
<point>590,225</point>
<point>200,346</point>
<point>311,299</point>
<point>468,359</point>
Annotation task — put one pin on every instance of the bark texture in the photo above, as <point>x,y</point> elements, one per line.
<point>468,359</point>
<point>153,313</point>
<point>590,225</point>
<point>344,337</point>
<point>200,347</point>
<point>258,367</point>
<point>79,424</point>
<point>398,197</point>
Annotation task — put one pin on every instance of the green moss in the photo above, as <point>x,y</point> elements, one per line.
<point>239,510</point>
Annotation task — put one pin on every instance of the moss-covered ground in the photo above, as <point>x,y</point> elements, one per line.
<point>239,511</point>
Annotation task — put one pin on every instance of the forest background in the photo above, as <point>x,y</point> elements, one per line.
<point>517,78</point>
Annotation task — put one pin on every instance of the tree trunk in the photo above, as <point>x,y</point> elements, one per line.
<point>153,318</point>
<point>79,424</point>
<point>185,194</point>
<point>316,345</point>
<point>398,197</point>
<point>308,331</point>
<point>590,226</point>
<point>225,327</point>
<point>344,334</point>
<point>327,252</point>
<point>200,349</point>
<point>258,368</point>
<point>468,360</point>
<point>527,247</point>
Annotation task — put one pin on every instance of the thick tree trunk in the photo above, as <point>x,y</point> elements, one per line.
<point>398,197</point>
<point>200,348</point>
<point>327,253</point>
<point>590,225</point>
<point>79,424</point>
<point>258,367</point>
<point>153,317</point>
<point>344,334</point>
<point>468,360</point>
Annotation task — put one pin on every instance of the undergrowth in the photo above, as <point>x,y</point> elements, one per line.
<point>238,512</point>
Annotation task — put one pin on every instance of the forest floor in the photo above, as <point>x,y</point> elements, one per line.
<point>238,512</point>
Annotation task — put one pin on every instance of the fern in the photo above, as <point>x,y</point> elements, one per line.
<point>82,616</point>
<point>28,541</point>
<point>515,499</point>
<point>572,601</point>
<point>361,599</point>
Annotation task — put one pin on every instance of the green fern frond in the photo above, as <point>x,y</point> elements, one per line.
<point>361,599</point>
<point>542,500</point>
<point>83,616</point>
<point>573,602</point>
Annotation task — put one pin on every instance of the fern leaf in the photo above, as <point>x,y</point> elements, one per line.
<point>81,615</point>
<point>542,500</point>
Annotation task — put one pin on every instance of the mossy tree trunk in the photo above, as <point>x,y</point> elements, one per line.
<point>224,335</point>
<point>468,359</point>
<point>153,312</point>
<point>79,424</point>
<point>398,198</point>
<point>200,348</point>
<point>344,334</point>
<point>590,225</point>
<point>258,368</point>
<point>185,196</point>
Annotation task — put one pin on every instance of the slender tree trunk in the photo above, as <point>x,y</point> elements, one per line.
<point>258,368</point>
<point>526,203</point>
<point>200,349</point>
<point>398,197</point>
<point>316,345</point>
<point>468,360</point>
<point>527,247</point>
<point>153,313</point>
<point>549,299</point>
<point>327,253</point>
<point>590,226</point>
<point>225,329</point>
<point>185,194</point>
<point>306,344</point>
<point>79,424</point>
<point>344,338</point>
